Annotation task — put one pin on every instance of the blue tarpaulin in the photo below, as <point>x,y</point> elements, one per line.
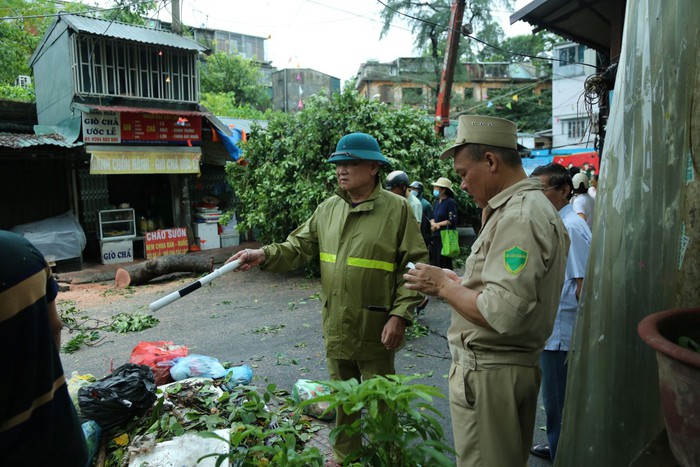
<point>231,143</point>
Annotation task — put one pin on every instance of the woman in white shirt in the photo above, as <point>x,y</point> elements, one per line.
<point>582,202</point>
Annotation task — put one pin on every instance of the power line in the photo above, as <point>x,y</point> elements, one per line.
<point>447,28</point>
<point>355,14</point>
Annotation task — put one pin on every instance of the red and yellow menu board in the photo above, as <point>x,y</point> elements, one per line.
<point>166,242</point>
<point>155,128</point>
<point>141,128</point>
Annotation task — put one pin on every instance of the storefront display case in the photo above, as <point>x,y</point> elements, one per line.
<point>117,230</point>
<point>117,224</point>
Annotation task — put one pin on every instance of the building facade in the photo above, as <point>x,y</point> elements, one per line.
<point>574,120</point>
<point>130,95</point>
<point>254,48</point>
<point>414,81</point>
<point>291,86</point>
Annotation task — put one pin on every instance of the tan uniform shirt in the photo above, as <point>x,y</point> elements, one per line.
<point>517,263</point>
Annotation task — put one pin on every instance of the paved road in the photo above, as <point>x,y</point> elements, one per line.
<point>270,322</point>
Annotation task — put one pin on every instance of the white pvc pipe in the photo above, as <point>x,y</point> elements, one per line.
<point>170,298</point>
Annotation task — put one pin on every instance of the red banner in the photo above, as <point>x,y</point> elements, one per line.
<point>166,242</point>
<point>160,128</point>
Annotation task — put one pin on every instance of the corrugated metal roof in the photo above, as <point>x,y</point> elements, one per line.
<point>146,110</point>
<point>130,32</point>
<point>23,140</point>
<point>241,123</point>
<point>589,23</point>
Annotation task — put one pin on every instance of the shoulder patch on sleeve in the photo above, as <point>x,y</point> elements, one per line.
<point>515,259</point>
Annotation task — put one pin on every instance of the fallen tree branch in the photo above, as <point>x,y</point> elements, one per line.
<point>141,273</point>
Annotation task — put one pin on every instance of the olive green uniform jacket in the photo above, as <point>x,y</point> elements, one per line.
<point>363,251</point>
<point>517,263</point>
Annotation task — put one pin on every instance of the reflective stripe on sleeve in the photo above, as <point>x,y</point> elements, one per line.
<point>327,257</point>
<point>371,264</point>
<point>361,262</point>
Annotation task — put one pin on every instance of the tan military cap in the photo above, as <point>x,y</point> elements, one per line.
<point>477,129</point>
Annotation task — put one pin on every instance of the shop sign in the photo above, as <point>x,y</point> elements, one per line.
<point>117,252</point>
<point>137,162</point>
<point>103,127</point>
<point>166,242</point>
<point>141,128</point>
<point>161,129</point>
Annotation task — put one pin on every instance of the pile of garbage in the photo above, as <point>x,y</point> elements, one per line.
<point>168,407</point>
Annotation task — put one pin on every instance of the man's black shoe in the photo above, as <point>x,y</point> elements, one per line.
<point>541,451</point>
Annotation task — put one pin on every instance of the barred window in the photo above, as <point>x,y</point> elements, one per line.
<point>575,128</point>
<point>115,68</point>
<point>412,95</point>
<point>572,54</point>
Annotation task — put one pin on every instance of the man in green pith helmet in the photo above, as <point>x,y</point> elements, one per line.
<point>364,237</point>
<point>505,304</point>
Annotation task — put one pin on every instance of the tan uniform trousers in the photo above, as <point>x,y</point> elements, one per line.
<point>493,414</point>
<point>361,370</point>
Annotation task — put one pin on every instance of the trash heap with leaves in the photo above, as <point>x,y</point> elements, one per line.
<point>249,428</point>
<point>213,413</point>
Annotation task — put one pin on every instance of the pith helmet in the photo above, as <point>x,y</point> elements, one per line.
<point>477,129</point>
<point>396,178</point>
<point>580,179</point>
<point>358,146</point>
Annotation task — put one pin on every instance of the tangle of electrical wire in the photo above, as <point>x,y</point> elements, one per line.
<point>594,88</point>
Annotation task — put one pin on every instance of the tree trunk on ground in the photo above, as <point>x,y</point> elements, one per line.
<point>141,273</point>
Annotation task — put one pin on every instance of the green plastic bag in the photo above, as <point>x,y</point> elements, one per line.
<point>305,389</point>
<point>450,243</point>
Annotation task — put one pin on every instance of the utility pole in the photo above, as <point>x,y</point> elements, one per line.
<point>177,22</point>
<point>442,110</point>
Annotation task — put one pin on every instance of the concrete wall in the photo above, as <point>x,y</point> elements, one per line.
<point>568,103</point>
<point>291,85</point>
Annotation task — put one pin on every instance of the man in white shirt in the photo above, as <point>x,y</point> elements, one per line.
<point>557,187</point>
<point>397,183</point>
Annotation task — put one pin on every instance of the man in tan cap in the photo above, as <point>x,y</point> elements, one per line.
<point>504,306</point>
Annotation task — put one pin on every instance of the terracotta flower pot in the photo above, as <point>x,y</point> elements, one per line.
<point>679,378</point>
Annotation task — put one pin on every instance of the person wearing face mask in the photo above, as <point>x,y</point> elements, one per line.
<point>444,217</point>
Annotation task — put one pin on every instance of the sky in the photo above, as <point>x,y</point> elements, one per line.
<point>330,36</point>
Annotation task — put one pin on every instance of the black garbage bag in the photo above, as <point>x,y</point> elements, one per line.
<point>119,397</point>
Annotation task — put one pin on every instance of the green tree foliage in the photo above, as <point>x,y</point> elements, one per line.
<point>224,104</point>
<point>237,81</point>
<point>531,112</point>
<point>430,21</point>
<point>19,37</point>
<point>523,48</point>
<point>17,93</point>
<point>130,11</point>
<point>517,48</point>
<point>288,175</point>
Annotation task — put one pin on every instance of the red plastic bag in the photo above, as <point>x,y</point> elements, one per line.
<point>152,353</point>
